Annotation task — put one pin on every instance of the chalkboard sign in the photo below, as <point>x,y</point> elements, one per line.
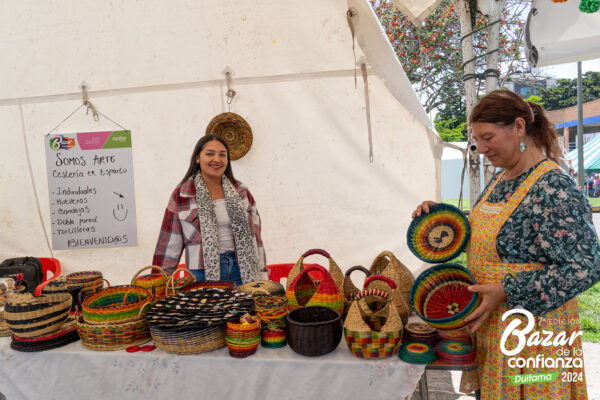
<point>90,185</point>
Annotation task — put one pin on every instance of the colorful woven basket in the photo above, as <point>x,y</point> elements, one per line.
<point>113,336</point>
<point>85,283</point>
<point>373,328</point>
<point>334,270</point>
<point>349,290</point>
<point>440,235</point>
<point>417,353</point>
<point>155,282</point>
<point>440,297</point>
<point>303,291</point>
<point>180,278</point>
<point>272,311</point>
<point>194,322</point>
<point>314,331</point>
<point>243,336</point>
<point>30,316</point>
<point>234,130</point>
<point>115,304</point>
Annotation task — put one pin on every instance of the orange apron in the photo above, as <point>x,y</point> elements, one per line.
<point>492,375</point>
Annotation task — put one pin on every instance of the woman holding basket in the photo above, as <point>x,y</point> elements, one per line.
<point>533,245</point>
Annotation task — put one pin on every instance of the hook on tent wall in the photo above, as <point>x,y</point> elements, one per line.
<point>230,93</point>
<point>86,101</point>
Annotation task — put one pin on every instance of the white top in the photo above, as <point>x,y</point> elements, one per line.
<point>224,223</point>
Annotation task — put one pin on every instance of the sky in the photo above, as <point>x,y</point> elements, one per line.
<point>569,70</point>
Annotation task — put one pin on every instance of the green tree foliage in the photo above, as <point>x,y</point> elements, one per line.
<point>451,120</point>
<point>565,93</point>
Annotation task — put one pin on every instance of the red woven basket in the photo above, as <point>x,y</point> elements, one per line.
<point>303,291</point>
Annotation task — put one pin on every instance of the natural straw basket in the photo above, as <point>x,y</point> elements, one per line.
<point>334,270</point>
<point>373,333</point>
<point>156,282</point>
<point>30,316</point>
<point>115,304</point>
<point>349,290</point>
<point>386,284</point>
<point>66,334</point>
<point>189,341</point>
<point>388,265</point>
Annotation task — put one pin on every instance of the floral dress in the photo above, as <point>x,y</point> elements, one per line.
<point>554,227</point>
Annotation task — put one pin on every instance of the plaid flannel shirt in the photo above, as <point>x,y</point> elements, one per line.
<point>181,229</point>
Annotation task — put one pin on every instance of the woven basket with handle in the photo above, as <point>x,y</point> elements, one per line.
<point>386,284</point>
<point>334,269</point>
<point>349,290</point>
<point>388,265</point>
<point>373,328</point>
<point>304,292</point>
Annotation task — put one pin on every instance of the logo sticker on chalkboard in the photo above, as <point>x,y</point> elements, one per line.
<point>62,142</point>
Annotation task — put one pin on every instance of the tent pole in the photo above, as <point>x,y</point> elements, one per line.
<point>580,160</point>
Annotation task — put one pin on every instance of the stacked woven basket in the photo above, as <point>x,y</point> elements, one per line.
<point>113,318</point>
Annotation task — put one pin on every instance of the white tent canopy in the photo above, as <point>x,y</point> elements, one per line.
<point>157,69</point>
<point>558,33</point>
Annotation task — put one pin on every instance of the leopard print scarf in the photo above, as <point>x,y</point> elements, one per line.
<point>246,249</point>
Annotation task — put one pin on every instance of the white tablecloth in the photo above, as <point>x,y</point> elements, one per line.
<point>73,372</point>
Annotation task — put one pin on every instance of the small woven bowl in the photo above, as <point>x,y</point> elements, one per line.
<point>440,297</point>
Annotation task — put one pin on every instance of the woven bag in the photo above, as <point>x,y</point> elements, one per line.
<point>29,316</point>
<point>156,282</point>
<point>388,265</point>
<point>349,290</point>
<point>373,328</point>
<point>334,269</point>
<point>179,278</point>
<point>388,285</point>
<point>304,292</point>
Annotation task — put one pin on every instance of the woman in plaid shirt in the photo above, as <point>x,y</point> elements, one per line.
<point>214,217</point>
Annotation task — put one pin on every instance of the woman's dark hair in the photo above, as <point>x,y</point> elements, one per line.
<point>502,107</point>
<point>194,167</point>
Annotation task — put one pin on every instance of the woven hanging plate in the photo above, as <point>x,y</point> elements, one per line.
<point>439,235</point>
<point>417,353</point>
<point>234,130</point>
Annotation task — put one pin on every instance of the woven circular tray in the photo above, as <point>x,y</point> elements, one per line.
<point>440,297</point>
<point>234,130</point>
<point>440,235</point>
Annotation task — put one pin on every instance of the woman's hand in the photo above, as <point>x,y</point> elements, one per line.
<point>424,206</point>
<point>492,295</point>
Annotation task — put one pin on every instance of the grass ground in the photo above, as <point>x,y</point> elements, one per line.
<point>589,301</point>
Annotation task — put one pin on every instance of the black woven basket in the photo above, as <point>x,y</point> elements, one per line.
<point>314,330</point>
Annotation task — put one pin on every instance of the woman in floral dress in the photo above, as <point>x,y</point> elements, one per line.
<point>533,246</point>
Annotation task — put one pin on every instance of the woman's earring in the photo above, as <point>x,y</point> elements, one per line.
<point>522,146</point>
